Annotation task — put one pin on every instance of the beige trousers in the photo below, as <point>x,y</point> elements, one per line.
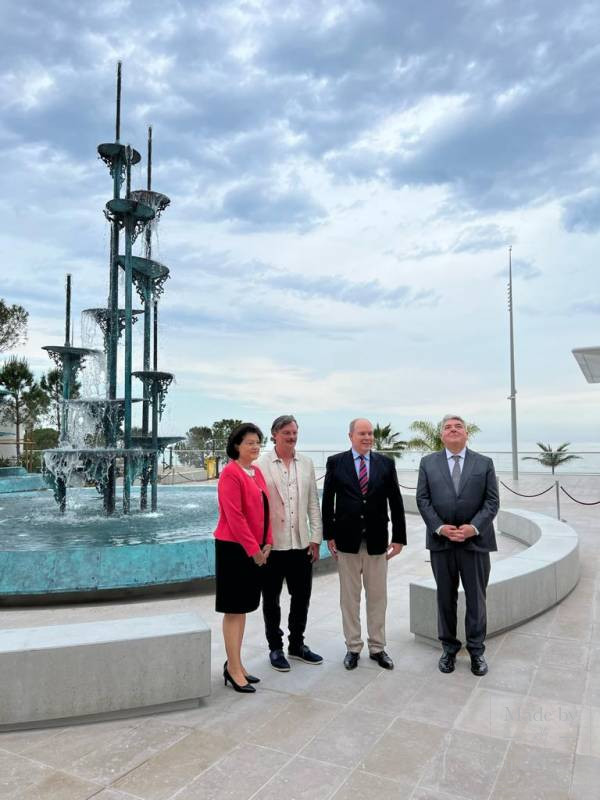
<point>356,570</point>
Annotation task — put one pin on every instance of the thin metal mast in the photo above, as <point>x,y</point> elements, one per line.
<point>513,391</point>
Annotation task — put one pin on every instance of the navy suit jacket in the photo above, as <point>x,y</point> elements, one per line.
<point>475,504</point>
<point>349,516</point>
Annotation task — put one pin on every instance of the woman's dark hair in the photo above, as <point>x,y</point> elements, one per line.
<point>236,436</point>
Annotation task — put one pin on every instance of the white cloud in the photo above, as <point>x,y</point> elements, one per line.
<point>345,180</point>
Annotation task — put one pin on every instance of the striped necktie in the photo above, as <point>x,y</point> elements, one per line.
<point>363,477</point>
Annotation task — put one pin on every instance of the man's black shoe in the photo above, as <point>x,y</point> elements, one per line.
<point>305,654</point>
<point>351,660</point>
<point>279,661</point>
<point>479,666</point>
<point>382,659</point>
<point>446,662</point>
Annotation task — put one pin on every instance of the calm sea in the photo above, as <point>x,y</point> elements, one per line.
<point>588,461</point>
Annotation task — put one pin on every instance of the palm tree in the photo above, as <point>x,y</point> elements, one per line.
<point>387,442</point>
<point>430,435</point>
<point>552,458</point>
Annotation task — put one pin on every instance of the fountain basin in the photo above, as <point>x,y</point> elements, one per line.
<point>82,554</point>
<point>17,479</point>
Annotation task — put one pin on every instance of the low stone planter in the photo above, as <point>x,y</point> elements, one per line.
<point>521,586</point>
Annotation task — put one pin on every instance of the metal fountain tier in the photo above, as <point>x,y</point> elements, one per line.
<point>148,277</point>
<point>115,153</point>
<point>146,268</point>
<point>74,356</point>
<point>137,212</point>
<point>101,317</point>
<point>156,382</point>
<point>129,214</point>
<point>155,200</point>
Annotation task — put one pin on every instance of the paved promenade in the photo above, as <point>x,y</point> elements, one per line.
<point>529,729</point>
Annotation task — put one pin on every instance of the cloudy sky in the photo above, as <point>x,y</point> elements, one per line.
<point>346,179</point>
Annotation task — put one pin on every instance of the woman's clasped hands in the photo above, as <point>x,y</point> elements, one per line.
<point>261,556</point>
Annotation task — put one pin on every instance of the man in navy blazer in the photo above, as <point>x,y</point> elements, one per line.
<point>457,496</point>
<point>359,487</point>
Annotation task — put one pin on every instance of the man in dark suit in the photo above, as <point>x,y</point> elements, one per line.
<point>359,486</point>
<point>457,495</point>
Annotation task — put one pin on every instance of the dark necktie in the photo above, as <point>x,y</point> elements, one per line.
<point>363,478</point>
<point>456,473</point>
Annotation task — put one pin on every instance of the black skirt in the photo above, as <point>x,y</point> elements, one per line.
<point>238,579</point>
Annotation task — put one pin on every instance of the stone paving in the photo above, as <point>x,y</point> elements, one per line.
<point>529,729</point>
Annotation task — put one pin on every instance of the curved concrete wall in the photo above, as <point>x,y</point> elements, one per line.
<point>92,670</point>
<point>520,587</point>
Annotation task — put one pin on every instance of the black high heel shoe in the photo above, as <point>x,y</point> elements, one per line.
<point>249,678</point>
<point>245,689</point>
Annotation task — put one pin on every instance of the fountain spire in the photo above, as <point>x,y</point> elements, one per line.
<point>118,114</point>
<point>68,310</point>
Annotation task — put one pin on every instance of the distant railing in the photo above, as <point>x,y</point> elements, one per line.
<point>588,462</point>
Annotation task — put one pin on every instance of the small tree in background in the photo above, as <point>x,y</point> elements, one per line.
<point>198,437</point>
<point>26,401</point>
<point>201,437</point>
<point>552,458</point>
<point>430,435</point>
<point>13,326</point>
<point>221,430</point>
<point>52,384</point>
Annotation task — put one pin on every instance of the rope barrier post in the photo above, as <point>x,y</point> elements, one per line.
<point>557,486</point>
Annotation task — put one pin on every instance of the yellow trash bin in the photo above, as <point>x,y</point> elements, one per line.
<point>212,467</point>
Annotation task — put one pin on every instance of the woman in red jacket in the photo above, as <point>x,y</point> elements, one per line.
<point>242,545</point>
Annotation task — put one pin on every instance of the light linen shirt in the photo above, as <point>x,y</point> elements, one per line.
<point>288,486</point>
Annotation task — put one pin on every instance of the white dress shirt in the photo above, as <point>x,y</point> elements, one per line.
<point>451,462</point>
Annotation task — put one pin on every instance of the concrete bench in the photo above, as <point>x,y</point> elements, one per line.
<point>521,586</point>
<point>92,670</point>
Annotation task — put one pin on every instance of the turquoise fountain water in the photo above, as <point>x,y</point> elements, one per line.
<point>83,554</point>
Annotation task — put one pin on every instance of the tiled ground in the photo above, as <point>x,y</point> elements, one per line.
<point>529,729</point>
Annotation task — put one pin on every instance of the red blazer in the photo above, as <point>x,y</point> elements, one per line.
<point>241,509</point>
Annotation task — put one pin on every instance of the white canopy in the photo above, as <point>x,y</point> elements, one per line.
<point>588,359</point>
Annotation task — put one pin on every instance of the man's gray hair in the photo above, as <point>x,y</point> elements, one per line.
<point>281,422</point>
<point>448,417</point>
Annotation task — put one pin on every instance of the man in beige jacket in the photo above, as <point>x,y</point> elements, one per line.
<point>297,535</point>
